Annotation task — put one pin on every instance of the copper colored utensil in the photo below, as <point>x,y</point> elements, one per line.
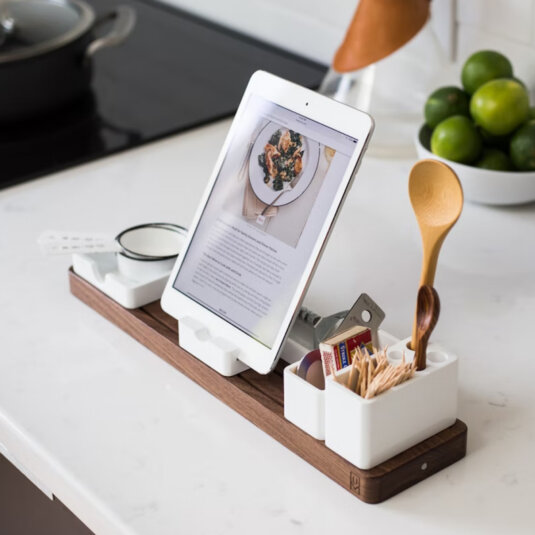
<point>427,312</point>
<point>378,28</point>
<point>437,200</point>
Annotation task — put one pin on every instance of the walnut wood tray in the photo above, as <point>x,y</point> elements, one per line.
<point>259,398</point>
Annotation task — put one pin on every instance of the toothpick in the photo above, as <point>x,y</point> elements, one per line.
<point>352,381</point>
<point>333,373</point>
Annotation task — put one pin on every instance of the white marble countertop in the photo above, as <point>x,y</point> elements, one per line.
<point>133,447</point>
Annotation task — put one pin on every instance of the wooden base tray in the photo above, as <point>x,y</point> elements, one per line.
<point>259,398</point>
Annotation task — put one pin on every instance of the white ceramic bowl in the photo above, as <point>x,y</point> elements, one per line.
<point>140,270</point>
<point>149,251</point>
<point>483,185</point>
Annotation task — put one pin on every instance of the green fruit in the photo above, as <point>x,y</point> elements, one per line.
<point>483,66</point>
<point>425,136</point>
<point>457,139</point>
<point>445,102</point>
<point>499,142</point>
<point>522,147</point>
<point>532,112</point>
<point>494,159</point>
<point>500,106</point>
<point>519,81</point>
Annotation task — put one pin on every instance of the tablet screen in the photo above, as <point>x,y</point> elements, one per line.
<point>263,217</point>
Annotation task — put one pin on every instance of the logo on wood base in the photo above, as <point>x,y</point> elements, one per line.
<point>354,483</point>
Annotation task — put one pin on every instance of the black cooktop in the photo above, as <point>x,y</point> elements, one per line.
<point>175,71</point>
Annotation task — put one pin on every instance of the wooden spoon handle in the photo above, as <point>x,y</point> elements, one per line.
<point>429,265</point>
<point>428,310</point>
<point>427,277</point>
<point>421,353</point>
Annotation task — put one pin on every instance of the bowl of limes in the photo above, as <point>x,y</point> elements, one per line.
<point>485,131</point>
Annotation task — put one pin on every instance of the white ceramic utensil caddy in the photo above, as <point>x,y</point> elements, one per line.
<point>367,432</point>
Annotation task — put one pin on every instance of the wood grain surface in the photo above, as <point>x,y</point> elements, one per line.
<point>260,399</point>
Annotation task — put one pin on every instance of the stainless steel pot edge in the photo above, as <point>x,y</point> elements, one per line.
<point>125,20</point>
<point>87,19</point>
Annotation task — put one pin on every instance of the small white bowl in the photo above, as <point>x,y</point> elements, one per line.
<point>140,269</point>
<point>484,185</point>
<point>149,251</point>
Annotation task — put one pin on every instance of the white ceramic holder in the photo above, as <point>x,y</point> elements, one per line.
<point>102,271</point>
<point>304,404</point>
<point>367,432</point>
<point>221,354</point>
<point>218,353</point>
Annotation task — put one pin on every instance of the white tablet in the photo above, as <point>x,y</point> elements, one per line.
<point>277,187</point>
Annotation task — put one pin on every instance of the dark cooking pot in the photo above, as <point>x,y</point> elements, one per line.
<point>46,48</point>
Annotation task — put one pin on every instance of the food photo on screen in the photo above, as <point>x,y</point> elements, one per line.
<point>284,172</point>
<point>282,159</point>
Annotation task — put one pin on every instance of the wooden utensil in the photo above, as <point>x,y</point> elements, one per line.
<point>427,312</point>
<point>437,200</point>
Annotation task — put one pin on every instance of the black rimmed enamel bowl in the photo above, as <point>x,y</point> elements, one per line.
<point>149,251</point>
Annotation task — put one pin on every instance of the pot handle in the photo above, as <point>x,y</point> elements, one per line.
<point>125,20</point>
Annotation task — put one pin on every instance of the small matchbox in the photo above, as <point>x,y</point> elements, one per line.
<point>336,351</point>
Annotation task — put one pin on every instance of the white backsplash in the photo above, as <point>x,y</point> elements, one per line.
<point>504,25</point>
<point>312,28</point>
<point>315,28</point>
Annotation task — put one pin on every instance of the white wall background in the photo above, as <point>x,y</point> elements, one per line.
<point>312,28</point>
<point>504,25</point>
<point>315,28</point>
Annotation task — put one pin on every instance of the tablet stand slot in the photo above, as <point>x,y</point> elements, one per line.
<point>223,356</point>
<point>218,353</point>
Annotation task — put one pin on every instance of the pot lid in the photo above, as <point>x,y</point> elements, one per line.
<point>31,27</point>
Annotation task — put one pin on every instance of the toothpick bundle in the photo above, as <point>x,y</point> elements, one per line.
<point>372,375</point>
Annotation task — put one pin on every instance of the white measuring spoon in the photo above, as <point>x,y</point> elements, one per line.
<point>150,241</point>
<point>56,242</point>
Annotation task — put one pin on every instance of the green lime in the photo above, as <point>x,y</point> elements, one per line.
<point>522,147</point>
<point>425,136</point>
<point>499,142</point>
<point>457,139</point>
<point>445,102</point>
<point>494,159</point>
<point>500,106</point>
<point>483,66</point>
<point>519,81</point>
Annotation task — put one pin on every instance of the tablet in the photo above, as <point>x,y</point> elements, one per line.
<point>277,187</point>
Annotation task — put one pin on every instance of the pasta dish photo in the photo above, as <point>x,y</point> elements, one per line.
<point>282,159</point>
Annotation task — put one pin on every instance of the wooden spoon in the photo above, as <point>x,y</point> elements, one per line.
<point>437,200</point>
<point>427,312</point>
